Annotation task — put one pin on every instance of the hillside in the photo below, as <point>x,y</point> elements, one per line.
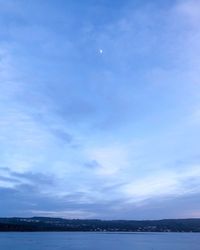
<point>58,224</point>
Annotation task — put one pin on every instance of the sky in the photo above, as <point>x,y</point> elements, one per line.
<point>100,108</point>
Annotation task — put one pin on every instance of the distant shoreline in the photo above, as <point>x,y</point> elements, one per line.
<point>93,232</point>
<point>48,224</point>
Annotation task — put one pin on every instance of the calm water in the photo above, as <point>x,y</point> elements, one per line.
<point>99,241</point>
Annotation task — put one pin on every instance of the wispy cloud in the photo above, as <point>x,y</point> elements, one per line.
<point>89,134</point>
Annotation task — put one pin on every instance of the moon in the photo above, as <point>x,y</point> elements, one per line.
<point>101,51</point>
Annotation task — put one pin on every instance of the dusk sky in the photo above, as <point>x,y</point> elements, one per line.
<point>100,108</point>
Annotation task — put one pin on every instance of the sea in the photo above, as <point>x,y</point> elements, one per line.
<point>99,241</point>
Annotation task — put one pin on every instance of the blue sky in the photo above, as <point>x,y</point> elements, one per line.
<point>100,108</point>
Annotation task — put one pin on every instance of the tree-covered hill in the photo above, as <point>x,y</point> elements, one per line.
<point>58,224</point>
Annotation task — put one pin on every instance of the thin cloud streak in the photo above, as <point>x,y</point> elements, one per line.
<point>95,135</point>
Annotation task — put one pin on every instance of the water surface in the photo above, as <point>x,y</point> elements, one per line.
<point>99,241</point>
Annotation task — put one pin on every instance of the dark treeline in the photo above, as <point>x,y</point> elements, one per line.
<point>36,224</point>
